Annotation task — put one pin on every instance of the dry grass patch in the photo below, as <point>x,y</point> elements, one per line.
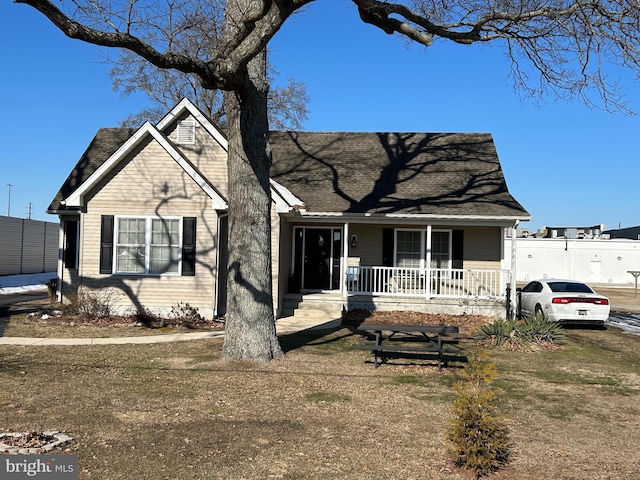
<point>170,411</point>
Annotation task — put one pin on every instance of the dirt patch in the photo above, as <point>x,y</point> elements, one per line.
<point>466,323</point>
<point>45,319</point>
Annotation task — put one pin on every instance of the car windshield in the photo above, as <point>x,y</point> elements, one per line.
<point>573,287</point>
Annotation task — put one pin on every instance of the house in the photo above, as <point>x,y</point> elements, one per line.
<point>377,220</point>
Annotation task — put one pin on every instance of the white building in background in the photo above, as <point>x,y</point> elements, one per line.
<point>594,261</point>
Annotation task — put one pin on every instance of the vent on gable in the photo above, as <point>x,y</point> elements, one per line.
<point>187,132</point>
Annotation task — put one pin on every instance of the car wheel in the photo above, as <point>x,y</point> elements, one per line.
<point>539,312</point>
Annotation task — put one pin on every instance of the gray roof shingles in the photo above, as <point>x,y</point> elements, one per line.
<point>377,173</point>
<point>394,173</point>
<point>103,145</point>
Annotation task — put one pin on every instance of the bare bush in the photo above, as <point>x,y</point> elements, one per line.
<point>90,303</point>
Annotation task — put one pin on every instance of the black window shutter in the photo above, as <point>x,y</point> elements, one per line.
<point>457,248</point>
<point>106,244</point>
<point>387,247</point>
<point>189,246</point>
<point>70,243</point>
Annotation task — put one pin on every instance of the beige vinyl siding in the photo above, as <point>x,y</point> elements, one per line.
<point>206,154</point>
<point>482,248</point>
<point>369,249</point>
<point>482,245</point>
<point>152,184</point>
<point>27,246</point>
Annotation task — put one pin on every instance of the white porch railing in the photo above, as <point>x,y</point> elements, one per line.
<point>416,282</point>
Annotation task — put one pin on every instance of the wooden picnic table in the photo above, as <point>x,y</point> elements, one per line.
<point>397,339</point>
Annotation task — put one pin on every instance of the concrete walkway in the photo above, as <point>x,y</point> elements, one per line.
<point>283,325</point>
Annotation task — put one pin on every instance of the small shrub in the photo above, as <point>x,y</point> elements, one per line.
<point>498,333</point>
<point>186,315</point>
<point>541,331</point>
<point>530,333</point>
<point>92,304</point>
<point>478,437</point>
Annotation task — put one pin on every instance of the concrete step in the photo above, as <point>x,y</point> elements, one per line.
<point>318,306</point>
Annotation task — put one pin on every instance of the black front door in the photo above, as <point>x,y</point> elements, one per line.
<point>317,259</point>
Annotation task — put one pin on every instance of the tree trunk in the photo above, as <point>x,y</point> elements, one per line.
<point>250,332</point>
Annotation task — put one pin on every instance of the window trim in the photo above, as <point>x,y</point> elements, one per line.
<point>422,245</point>
<point>148,239</point>
<point>450,247</point>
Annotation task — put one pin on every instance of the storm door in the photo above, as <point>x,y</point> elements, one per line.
<point>317,258</point>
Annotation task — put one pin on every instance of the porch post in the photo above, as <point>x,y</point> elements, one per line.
<point>513,261</point>
<point>428,264</point>
<point>60,265</point>
<point>343,263</point>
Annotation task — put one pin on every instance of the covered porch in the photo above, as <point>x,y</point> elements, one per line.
<point>406,266</point>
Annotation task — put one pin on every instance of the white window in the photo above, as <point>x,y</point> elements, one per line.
<point>148,245</point>
<point>409,248</point>
<point>187,132</point>
<point>441,249</point>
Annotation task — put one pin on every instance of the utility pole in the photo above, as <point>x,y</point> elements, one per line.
<point>29,211</point>
<point>9,203</point>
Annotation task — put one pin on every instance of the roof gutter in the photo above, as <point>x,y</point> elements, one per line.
<point>372,217</point>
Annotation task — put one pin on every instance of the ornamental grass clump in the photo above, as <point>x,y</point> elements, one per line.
<point>478,437</point>
<point>531,333</point>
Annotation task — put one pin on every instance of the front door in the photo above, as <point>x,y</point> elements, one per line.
<point>317,258</point>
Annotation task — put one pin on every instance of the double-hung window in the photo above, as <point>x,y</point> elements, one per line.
<point>409,248</point>
<point>148,245</point>
<point>441,249</point>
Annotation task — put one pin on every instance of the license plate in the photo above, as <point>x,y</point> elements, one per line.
<point>582,312</point>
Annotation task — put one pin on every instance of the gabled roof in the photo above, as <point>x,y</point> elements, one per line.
<point>433,175</point>
<point>395,174</point>
<point>186,106</point>
<point>103,145</point>
<point>111,145</point>
<point>75,199</point>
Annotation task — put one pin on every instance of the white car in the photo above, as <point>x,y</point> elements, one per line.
<point>565,301</point>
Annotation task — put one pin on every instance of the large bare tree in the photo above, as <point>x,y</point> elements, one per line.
<point>287,104</point>
<point>564,42</point>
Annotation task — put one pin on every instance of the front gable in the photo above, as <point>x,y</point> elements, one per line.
<point>151,146</point>
<point>149,179</point>
<point>207,151</point>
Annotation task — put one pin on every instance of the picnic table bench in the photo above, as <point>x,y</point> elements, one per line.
<point>410,339</point>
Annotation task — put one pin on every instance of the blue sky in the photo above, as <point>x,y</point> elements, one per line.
<point>566,164</point>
